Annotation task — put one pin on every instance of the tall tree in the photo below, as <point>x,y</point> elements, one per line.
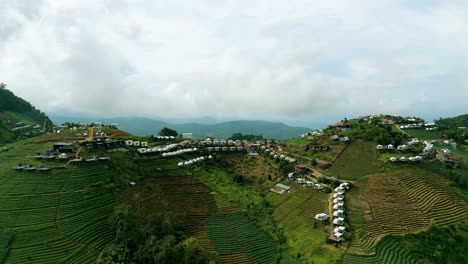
<point>168,132</point>
<point>46,125</point>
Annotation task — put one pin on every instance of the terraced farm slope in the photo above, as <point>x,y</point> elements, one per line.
<point>238,240</point>
<point>398,203</point>
<point>54,217</point>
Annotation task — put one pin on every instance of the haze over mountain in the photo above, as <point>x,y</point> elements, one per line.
<point>275,60</point>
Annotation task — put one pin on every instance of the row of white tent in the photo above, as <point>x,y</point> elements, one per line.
<point>158,148</point>
<point>164,137</point>
<point>415,158</point>
<point>179,151</point>
<point>190,162</point>
<point>224,148</point>
<point>338,210</point>
<point>282,157</point>
<point>136,143</point>
<point>312,184</point>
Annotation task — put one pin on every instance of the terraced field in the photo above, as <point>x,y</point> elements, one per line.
<point>238,240</point>
<point>400,202</point>
<point>295,212</point>
<point>4,245</point>
<point>388,250</point>
<point>55,216</point>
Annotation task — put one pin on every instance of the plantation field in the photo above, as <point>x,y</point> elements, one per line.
<point>171,187</point>
<point>295,213</point>
<point>388,250</point>
<point>57,216</point>
<point>400,202</point>
<point>357,160</point>
<point>422,134</point>
<point>238,240</point>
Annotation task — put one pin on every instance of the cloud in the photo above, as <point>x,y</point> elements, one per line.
<point>239,59</point>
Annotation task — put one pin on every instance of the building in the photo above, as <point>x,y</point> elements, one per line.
<point>187,135</point>
<point>63,147</point>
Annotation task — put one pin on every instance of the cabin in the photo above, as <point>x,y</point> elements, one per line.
<point>393,159</point>
<point>144,144</point>
<point>290,175</point>
<point>341,126</point>
<point>129,142</point>
<point>318,186</point>
<point>310,184</point>
<point>321,217</point>
<point>63,147</point>
<point>338,221</point>
<point>337,237</point>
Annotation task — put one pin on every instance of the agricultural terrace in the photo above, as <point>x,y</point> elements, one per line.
<point>238,240</point>
<point>357,160</point>
<point>299,145</point>
<point>400,202</point>
<point>388,250</point>
<point>170,187</point>
<point>295,213</point>
<point>254,169</point>
<point>57,216</point>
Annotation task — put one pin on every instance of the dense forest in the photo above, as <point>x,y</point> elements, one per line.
<point>10,102</point>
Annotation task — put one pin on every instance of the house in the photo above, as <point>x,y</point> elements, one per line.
<point>310,184</point>
<point>344,139</point>
<point>342,126</point>
<point>290,175</point>
<point>301,181</point>
<point>334,137</point>
<point>63,147</point>
<point>187,135</point>
<point>144,144</point>
<point>321,217</point>
<point>129,142</point>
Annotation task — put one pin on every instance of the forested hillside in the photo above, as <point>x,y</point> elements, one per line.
<point>18,117</point>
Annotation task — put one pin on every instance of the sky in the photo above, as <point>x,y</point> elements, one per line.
<point>296,61</point>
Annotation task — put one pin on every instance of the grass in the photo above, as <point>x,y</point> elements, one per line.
<point>55,216</point>
<point>294,213</point>
<point>422,134</point>
<point>296,146</point>
<point>357,160</point>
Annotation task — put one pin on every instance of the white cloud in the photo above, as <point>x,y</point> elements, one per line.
<point>244,59</point>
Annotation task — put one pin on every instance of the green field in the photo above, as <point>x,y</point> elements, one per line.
<point>234,233</point>
<point>53,217</point>
<point>358,159</point>
<point>295,213</point>
<point>422,134</point>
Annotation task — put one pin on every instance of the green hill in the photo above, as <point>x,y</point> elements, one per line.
<point>453,122</point>
<point>17,117</point>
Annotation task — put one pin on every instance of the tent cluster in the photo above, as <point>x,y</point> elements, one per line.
<point>281,157</point>
<point>224,148</point>
<point>312,184</point>
<point>164,137</point>
<point>179,151</point>
<point>404,159</point>
<point>158,148</point>
<point>195,160</point>
<point>338,211</point>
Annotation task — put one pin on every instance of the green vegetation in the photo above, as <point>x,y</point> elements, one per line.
<point>57,216</point>
<point>423,134</point>
<point>376,132</point>
<point>451,122</point>
<point>233,233</point>
<point>358,159</point>
<point>4,245</point>
<point>167,132</point>
<point>160,240</point>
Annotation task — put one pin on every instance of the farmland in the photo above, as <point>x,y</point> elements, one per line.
<point>234,234</point>
<point>358,159</point>
<point>400,202</point>
<point>295,213</point>
<point>422,134</point>
<point>55,216</point>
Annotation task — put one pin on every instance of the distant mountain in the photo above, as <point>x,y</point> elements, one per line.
<point>17,117</point>
<point>146,126</point>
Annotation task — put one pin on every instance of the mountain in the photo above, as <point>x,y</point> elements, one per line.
<point>18,117</point>
<point>146,126</point>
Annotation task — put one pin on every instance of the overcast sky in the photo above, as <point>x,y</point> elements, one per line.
<point>291,60</point>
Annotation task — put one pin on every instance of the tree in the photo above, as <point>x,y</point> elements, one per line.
<point>168,132</point>
<point>46,125</point>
